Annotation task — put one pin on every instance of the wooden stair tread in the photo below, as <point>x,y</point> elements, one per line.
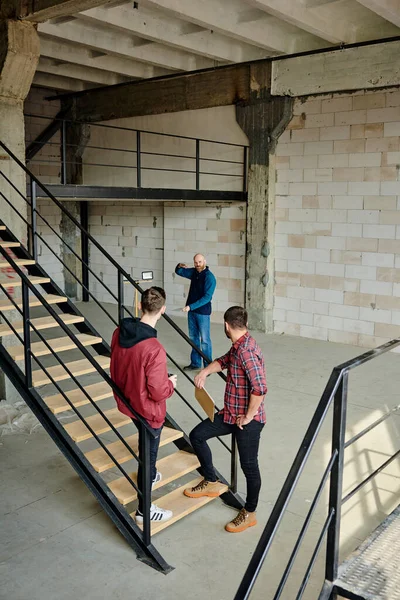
<point>9,244</point>
<point>8,282</point>
<point>97,391</point>
<point>172,467</point>
<point>2,227</point>
<point>100,460</point>
<point>57,344</point>
<point>21,262</point>
<point>180,504</point>
<point>33,301</point>
<point>41,323</point>
<point>78,368</point>
<point>79,432</point>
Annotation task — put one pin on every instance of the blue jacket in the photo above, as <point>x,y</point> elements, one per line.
<point>201,290</point>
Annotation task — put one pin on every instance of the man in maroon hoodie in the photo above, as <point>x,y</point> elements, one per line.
<point>139,368</point>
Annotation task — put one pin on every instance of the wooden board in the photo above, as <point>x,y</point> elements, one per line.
<point>33,301</point>
<point>21,262</point>
<point>10,244</point>
<point>172,467</point>
<point>18,282</point>
<point>206,402</point>
<point>57,344</point>
<point>2,227</point>
<point>180,504</point>
<point>77,368</point>
<point>41,323</point>
<point>79,432</point>
<point>101,461</point>
<point>97,391</point>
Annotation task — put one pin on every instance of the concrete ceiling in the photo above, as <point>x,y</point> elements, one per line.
<point>121,41</point>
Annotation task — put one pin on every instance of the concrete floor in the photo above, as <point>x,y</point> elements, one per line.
<point>57,544</point>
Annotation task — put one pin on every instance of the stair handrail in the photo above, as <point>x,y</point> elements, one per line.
<point>335,393</point>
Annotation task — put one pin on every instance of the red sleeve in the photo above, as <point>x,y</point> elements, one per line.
<point>158,385</point>
<point>116,375</point>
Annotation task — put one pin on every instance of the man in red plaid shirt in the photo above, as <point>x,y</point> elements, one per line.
<point>243,415</point>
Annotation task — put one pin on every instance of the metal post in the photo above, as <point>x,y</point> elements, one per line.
<point>84,206</point>
<point>233,465</point>
<point>336,481</point>
<point>144,457</point>
<point>64,152</point>
<point>120,297</point>
<point>197,164</point>
<point>138,161</point>
<point>33,239</point>
<point>27,334</point>
<point>245,168</point>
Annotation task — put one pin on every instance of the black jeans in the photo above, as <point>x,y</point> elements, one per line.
<point>248,441</point>
<point>154,444</point>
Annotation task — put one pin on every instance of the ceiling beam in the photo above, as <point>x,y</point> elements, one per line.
<point>263,31</point>
<point>53,67</point>
<point>55,82</point>
<point>388,9</point>
<point>42,10</point>
<point>172,32</point>
<point>105,40</point>
<point>365,67</point>
<point>294,12</point>
<point>59,50</point>
<point>215,87</point>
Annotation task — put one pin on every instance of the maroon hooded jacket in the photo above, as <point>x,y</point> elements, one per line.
<point>139,368</point>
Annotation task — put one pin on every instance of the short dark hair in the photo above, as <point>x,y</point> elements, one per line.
<point>153,299</point>
<point>236,317</point>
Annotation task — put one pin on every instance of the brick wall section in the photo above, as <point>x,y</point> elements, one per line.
<point>216,231</point>
<point>46,258</point>
<point>133,234</point>
<point>338,219</point>
<point>46,164</point>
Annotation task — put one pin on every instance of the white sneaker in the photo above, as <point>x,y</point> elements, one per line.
<point>156,514</point>
<point>156,479</point>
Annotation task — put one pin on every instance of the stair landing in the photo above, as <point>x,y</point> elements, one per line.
<point>372,572</point>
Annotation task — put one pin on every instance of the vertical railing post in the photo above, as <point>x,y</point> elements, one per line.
<point>197,165</point>
<point>64,152</point>
<point>138,160</point>
<point>84,209</point>
<point>245,168</point>
<point>33,237</point>
<point>144,457</point>
<point>233,464</point>
<point>336,480</point>
<point>27,334</point>
<point>120,297</point>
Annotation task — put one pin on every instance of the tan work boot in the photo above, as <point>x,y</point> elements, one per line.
<point>212,489</point>
<point>242,521</point>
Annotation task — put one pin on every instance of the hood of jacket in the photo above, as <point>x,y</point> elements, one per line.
<point>133,331</point>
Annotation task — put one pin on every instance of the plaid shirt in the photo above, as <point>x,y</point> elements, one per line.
<point>246,376</point>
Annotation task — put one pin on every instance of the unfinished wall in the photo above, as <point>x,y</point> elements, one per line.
<point>46,164</point>
<point>216,124</point>
<point>337,240</point>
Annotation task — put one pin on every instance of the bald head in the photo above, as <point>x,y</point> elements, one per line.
<point>199,262</point>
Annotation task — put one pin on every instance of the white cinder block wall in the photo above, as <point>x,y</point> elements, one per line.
<point>337,235</point>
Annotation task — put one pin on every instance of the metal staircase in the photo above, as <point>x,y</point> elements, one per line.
<point>45,326</point>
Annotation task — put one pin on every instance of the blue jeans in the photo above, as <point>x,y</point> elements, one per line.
<point>154,444</point>
<point>199,333</point>
<point>248,441</point>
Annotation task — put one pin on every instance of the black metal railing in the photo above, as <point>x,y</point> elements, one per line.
<point>143,458</point>
<point>121,277</point>
<point>195,160</point>
<point>335,395</point>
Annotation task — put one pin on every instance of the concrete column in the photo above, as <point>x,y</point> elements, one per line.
<point>263,119</point>
<point>19,54</point>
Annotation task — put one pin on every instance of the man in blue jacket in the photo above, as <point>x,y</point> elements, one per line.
<point>198,307</point>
